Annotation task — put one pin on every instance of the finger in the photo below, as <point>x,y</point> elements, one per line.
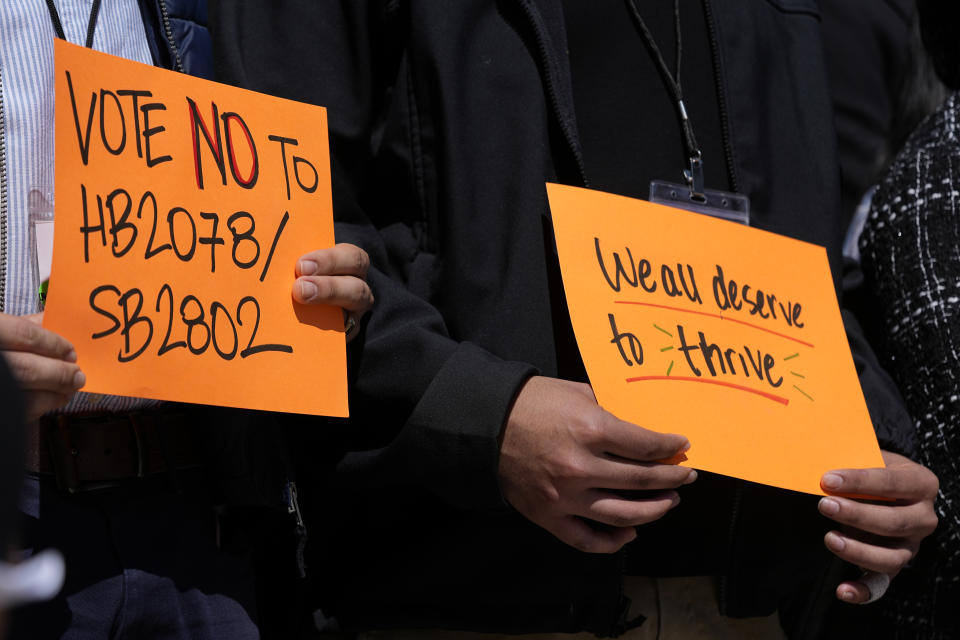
<point>580,535</point>
<point>617,512</point>
<point>41,402</point>
<point>24,334</point>
<point>617,473</point>
<point>871,557</point>
<point>348,292</point>
<point>911,482</point>
<point>892,521</point>
<point>632,442</point>
<point>340,260</point>
<point>37,373</point>
<point>853,591</point>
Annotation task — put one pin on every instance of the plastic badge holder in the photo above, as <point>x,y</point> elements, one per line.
<point>40,204</point>
<point>719,204</point>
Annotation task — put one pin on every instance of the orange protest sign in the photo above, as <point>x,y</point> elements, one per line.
<point>181,209</point>
<point>728,335</point>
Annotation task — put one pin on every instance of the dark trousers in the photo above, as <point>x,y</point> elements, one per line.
<point>144,560</point>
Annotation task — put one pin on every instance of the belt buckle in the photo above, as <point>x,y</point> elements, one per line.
<point>64,454</point>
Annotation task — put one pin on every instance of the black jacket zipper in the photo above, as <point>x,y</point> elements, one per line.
<point>546,59</point>
<point>168,36</point>
<point>723,595</point>
<point>721,96</point>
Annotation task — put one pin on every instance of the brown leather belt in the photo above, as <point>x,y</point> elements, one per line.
<point>94,451</point>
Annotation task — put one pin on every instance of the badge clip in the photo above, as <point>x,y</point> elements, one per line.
<point>694,197</point>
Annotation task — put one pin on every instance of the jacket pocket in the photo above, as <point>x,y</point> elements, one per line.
<point>809,7</point>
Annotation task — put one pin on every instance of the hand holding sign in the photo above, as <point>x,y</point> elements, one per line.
<point>42,362</point>
<point>563,459</point>
<point>733,337</point>
<point>336,276</point>
<point>182,209</point>
<point>880,538</point>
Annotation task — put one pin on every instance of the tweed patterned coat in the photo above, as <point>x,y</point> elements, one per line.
<point>911,258</point>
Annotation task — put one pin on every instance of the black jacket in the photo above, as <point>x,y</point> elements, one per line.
<point>446,119</point>
<point>12,443</point>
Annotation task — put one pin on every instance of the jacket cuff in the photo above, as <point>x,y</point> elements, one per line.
<point>888,412</point>
<point>464,409</point>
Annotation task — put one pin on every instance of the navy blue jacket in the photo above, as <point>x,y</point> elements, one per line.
<point>178,35</point>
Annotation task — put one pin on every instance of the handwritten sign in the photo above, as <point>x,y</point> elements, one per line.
<point>181,208</point>
<point>728,335</point>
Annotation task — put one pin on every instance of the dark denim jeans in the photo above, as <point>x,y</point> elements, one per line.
<point>143,562</point>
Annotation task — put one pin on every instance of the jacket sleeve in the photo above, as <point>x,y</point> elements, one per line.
<point>426,409</point>
<point>862,321</point>
<point>888,412</point>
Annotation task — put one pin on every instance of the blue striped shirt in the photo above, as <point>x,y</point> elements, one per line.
<point>26,73</point>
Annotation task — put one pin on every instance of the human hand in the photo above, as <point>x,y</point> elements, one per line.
<point>336,276</point>
<point>42,362</point>
<point>563,459</point>
<point>879,538</point>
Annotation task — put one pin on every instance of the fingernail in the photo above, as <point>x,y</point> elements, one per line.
<point>307,267</point>
<point>847,595</point>
<point>690,478</point>
<point>835,541</point>
<point>307,290</point>
<point>79,380</point>
<point>829,506</point>
<point>676,501</point>
<point>685,447</point>
<point>831,481</point>
<point>71,356</point>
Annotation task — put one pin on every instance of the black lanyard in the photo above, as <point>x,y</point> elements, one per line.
<point>694,174</point>
<point>91,23</point>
